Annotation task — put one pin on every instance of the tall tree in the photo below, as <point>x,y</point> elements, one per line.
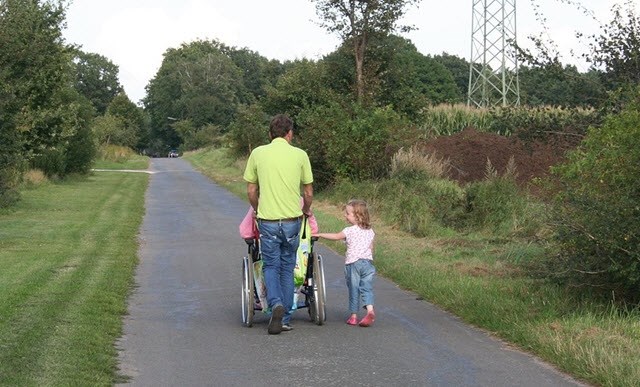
<point>96,79</point>
<point>356,21</point>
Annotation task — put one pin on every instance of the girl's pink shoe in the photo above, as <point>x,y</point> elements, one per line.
<point>353,320</point>
<point>368,319</point>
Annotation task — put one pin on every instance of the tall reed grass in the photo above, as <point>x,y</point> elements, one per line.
<point>444,120</point>
<point>115,153</point>
<point>413,160</point>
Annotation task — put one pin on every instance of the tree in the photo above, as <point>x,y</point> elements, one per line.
<point>459,68</point>
<point>560,86</point>
<point>34,87</point>
<point>111,130</point>
<point>409,81</point>
<point>617,49</point>
<point>248,131</point>
<point>303,85</point>
<point>132,117</point>
<point>357,21</point>
<point>196,82</point>
<point>96,79</point>
<point>258,72</point>
<point>398,75</point>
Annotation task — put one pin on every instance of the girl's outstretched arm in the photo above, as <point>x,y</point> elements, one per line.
<point>332,236</point>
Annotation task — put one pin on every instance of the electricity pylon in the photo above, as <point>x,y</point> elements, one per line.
<point>493,74</point>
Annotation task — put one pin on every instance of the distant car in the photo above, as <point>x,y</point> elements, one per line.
<point>173,153</point>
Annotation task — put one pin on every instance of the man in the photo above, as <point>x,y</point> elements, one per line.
<point>274,174</point>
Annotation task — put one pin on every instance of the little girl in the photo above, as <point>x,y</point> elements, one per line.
<point>359,270</point>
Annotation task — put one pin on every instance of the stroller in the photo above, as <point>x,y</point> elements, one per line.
<point>309,271</point>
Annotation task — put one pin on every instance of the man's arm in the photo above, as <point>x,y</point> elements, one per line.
<point>307,196</point>
<point>253,194</point>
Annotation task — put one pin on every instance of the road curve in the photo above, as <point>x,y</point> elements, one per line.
<point>184,329</point>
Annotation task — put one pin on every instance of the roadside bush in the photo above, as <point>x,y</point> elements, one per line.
<point>419,204</point>
<point>51,161</point>
<point>81,151</point>
<point>597,213</point>
<point>110,129</point>
<point>355,143</point>
<point>192,137</point>
<point>11,163</point>
<point>317,126</point>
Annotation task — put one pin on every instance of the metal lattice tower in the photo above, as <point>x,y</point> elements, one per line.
<point>493,74</point>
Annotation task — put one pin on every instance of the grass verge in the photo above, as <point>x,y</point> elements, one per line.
<point>477,277</point>
<point>68,252</point>
<point>119,157</point>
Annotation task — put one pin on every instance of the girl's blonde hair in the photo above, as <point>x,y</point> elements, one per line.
<point>361,212</point>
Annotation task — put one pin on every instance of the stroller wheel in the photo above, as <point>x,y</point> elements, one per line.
<point>248,292</point>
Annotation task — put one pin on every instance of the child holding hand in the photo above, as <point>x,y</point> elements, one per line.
<point>359,270</point>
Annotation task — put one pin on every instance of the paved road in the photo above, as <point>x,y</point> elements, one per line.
<point>184,329</point>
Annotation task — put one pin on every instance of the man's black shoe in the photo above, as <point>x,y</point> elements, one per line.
<point>275,324</point>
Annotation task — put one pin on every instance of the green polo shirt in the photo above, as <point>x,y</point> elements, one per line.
<point>278,168</point>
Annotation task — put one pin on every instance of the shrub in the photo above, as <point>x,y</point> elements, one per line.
<point>33,178</point>
<point>496,204</point>
<point>80,152</point>
<point>597,214</point>
<point>11,163</point>
<point>51,161</point>
<point>350,143</point>
<point>419,204</point>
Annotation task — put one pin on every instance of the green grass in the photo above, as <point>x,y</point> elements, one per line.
<point>68,252</point>
<point>479,277</point>
<point>135,162</point>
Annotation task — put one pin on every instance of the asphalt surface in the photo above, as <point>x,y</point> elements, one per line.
<point>184,323</point>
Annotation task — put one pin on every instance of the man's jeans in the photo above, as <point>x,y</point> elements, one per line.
<point>279,245</point>
<point>359,276</point>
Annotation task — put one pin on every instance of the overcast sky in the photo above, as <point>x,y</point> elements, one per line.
<point>134,34</point>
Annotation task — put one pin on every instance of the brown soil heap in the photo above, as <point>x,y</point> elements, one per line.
<point>469,150</point>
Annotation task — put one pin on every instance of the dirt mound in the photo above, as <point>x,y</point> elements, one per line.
<point>469,150</point>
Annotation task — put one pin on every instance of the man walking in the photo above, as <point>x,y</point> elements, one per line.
<point>274,174</point>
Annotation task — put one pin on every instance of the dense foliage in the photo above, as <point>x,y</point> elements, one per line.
<point>43,119</point>
<point>96,78</point>
<point>598,210</point>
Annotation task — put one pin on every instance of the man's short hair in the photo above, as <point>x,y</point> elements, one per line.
<point>280,125</point>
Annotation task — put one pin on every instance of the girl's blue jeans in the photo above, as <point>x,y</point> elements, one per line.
<point>359,276</point>
<point>279,245</point>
